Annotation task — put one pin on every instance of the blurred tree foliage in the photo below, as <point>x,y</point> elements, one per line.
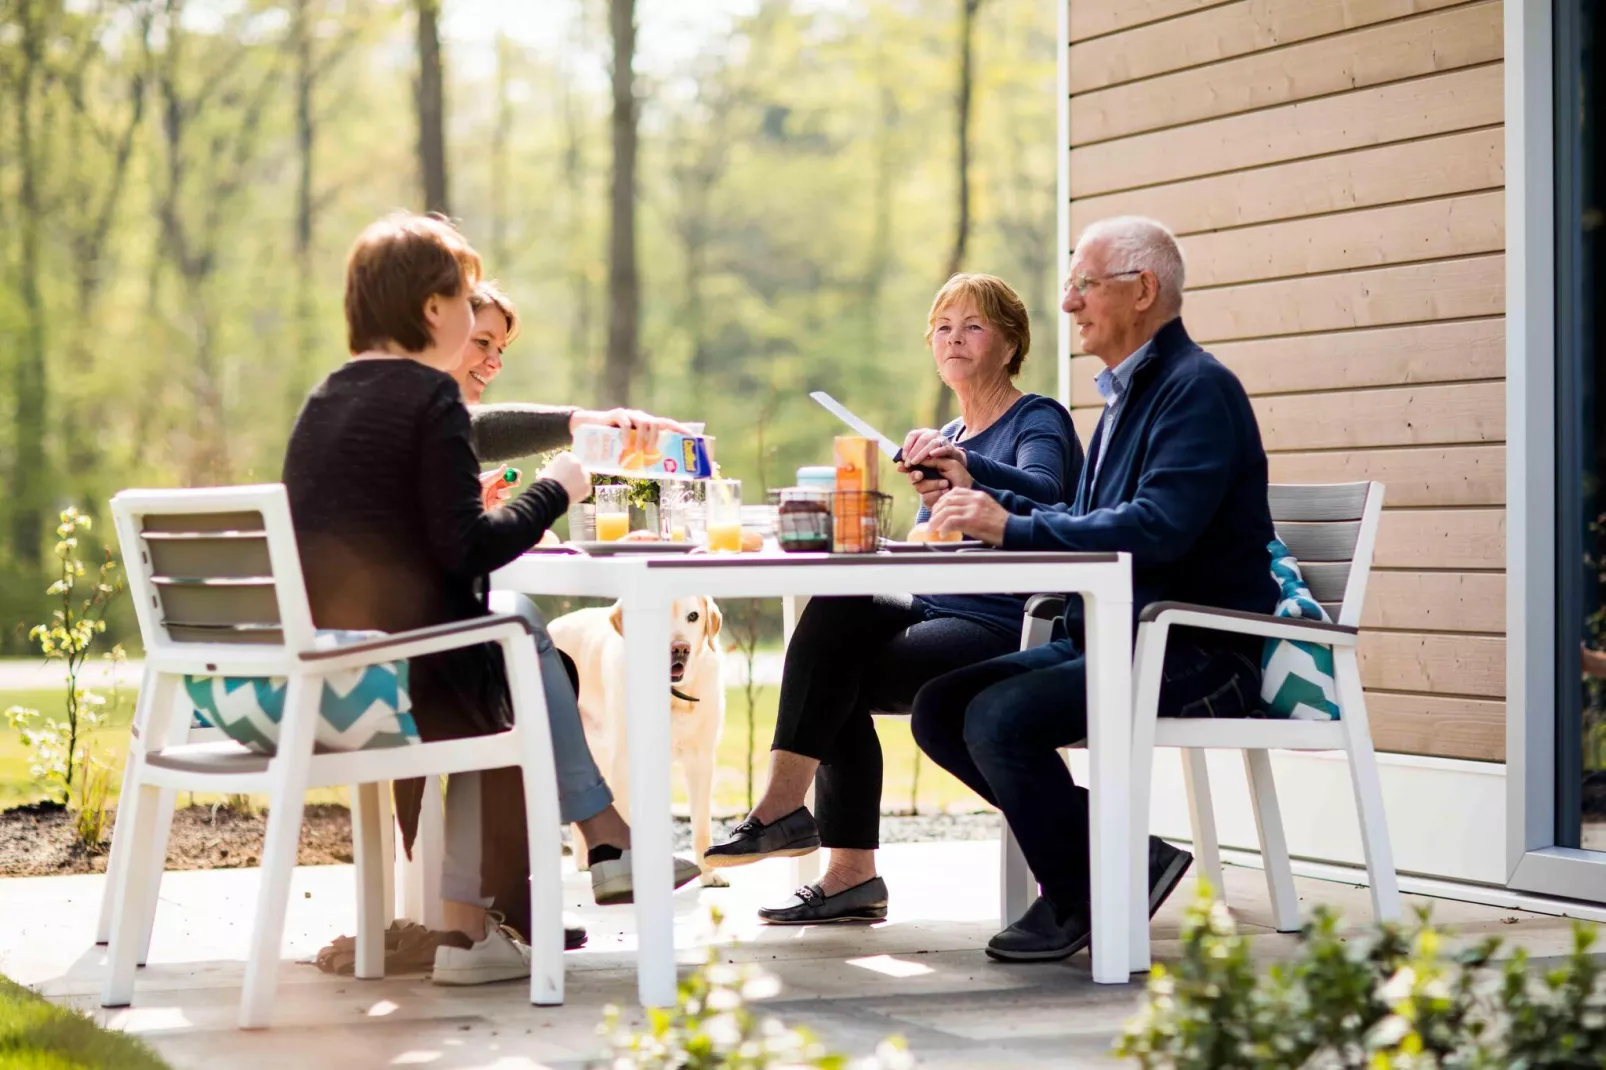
<point>179,181</point>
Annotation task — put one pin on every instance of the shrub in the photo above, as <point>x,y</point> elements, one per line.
<point>713,1027</point>
<point>1389,999</point>
<point>60,757</point>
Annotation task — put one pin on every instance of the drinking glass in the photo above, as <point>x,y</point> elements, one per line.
<point>612,511</point>
<point>724,514</point>
<point>683,510</point>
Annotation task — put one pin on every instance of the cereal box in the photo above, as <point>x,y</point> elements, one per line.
<point>611,451</point>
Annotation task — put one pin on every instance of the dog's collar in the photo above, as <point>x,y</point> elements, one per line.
<point>682,695</point>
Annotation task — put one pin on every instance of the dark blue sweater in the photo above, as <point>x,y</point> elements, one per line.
<point>1182,488</point>
<point>1032,451</point>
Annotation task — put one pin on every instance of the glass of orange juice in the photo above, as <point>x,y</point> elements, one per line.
<point>613,511</point>
<point>724,498</point>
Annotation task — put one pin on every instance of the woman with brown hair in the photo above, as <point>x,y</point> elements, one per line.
<point>394,535</point>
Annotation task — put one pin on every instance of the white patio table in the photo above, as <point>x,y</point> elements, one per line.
<point>647,585</point>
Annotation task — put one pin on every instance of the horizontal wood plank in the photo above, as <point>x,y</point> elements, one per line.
<point>1094,18</point>
<point>1432,167</point>
<point>1402,111</point>
<point>1441,538</point>
<point>1472,665</point>
<point>1417,477</point>
<point>1396,234</point>
<point>1448,414</point>
<point>1229,72</point>
<point>1445,727</point>
<point>1444,414</point>
<point>1378,297</point>
<point>1387,356</point>
<point>1436,601</point>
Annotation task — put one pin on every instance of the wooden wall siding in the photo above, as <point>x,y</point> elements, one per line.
<point>1335,171</point>
<point>1376,55</point>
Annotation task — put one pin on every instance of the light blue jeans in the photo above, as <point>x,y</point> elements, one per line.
<point>582,793</point>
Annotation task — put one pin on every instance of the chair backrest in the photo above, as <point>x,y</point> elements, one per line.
<point>1331,528</point>
<point>214,572</point>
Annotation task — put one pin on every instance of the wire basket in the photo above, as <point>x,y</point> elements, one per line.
<point>815,520</point>
<point>859,520</point>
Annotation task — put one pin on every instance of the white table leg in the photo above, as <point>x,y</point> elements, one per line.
<point>1109,745</point>
<point>806,869</point>
<point>647,638</point>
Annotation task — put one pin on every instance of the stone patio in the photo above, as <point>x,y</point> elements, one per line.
<point>921,974</point>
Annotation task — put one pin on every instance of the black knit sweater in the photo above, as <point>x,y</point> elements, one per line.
<point>508,431</point>
<point>393,533</point>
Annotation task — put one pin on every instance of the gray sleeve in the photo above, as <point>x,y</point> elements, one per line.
<point>509,431</point>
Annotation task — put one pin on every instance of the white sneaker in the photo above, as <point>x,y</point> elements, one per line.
<point>611,882</point>
<point>501,956</point>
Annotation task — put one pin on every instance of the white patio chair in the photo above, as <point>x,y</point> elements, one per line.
<point>217,585</point>
<point>1332,531</point>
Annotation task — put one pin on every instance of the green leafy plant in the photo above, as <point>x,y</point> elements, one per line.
<point>58,754</point>
<point>1388,999</point>
<point>713,1025</point>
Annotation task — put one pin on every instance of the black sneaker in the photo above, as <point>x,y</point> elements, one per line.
<point>1041,935</point>
<point>810,905</point>
<point>787,837</point>
<point>1167,864</point>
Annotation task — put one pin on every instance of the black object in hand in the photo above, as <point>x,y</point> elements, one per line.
<point>921,470</point>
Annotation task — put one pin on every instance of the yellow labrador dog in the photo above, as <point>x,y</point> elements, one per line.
<point>594,638</point>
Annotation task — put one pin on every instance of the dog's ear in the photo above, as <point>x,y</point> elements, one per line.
<point>716,621</point>
<point>616,617</point>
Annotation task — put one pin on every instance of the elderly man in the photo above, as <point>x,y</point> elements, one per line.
<point>1176,477</point>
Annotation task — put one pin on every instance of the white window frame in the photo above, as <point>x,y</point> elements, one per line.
<point>1534,862</point>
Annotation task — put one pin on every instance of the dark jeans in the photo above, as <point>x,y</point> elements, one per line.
<point>849,657</point>
<point>998,727</point>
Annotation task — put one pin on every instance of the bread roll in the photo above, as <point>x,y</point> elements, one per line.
<point>922,532</point>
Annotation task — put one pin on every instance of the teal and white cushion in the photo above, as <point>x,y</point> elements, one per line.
<point>360,709</point>
<point>1296,678</point>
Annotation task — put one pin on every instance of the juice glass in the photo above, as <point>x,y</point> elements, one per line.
<point>724,514</point>
<point>682,507</point>
<point>613,512</point>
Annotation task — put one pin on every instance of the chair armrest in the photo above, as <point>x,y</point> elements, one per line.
<point>419,641</point>
<point>1187,615</point>
<point>1045,606</point>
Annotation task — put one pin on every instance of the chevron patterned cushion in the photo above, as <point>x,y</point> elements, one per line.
<point>1297,678</point>
<point>361,709</point>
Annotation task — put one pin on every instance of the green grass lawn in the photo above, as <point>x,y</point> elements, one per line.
<point>35,1034</point>
<point>937,790</point>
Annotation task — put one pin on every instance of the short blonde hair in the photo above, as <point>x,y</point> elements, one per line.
<point>998,304</point>
<point>488,295</point>
<point>396,265</point>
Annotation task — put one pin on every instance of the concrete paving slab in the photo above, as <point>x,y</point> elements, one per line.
<point>922,974</point>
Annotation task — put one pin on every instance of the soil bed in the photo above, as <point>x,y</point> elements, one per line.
<point>38,840</point>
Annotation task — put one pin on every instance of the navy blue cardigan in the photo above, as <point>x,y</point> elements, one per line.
<point>1182,488</point>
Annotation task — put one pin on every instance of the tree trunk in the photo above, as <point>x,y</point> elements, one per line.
<point>306,137</point>
<point>500,134</point>
<point>624,296</point>
<point>431,108</point>
<point>942,411</point>
<point>30,482</point>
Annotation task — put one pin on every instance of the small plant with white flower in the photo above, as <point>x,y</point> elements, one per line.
<point>713,1026</point>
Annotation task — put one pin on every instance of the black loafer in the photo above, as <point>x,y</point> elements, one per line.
<point>787,837</point>
<point>1040,935</point>
<point>811,906</point>
<point>1167,864</point>
<point>574,934</point>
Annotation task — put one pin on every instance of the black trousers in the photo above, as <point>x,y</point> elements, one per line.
<point>998,727</point>
<point>849,658</point>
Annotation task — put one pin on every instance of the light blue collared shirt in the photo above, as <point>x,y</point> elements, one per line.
<point>1113,384</point>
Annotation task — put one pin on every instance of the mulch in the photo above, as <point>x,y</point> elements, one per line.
<point>38,840</point>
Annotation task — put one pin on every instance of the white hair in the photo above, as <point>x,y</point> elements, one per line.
<point>1134,243</point>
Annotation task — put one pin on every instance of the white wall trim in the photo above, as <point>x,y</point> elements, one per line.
<point>1062,89</point>
<point>1530,441</point>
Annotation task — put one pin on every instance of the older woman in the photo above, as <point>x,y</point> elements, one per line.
<point>850,657</point>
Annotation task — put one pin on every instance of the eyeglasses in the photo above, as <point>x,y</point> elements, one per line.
<point>1083,283</point>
